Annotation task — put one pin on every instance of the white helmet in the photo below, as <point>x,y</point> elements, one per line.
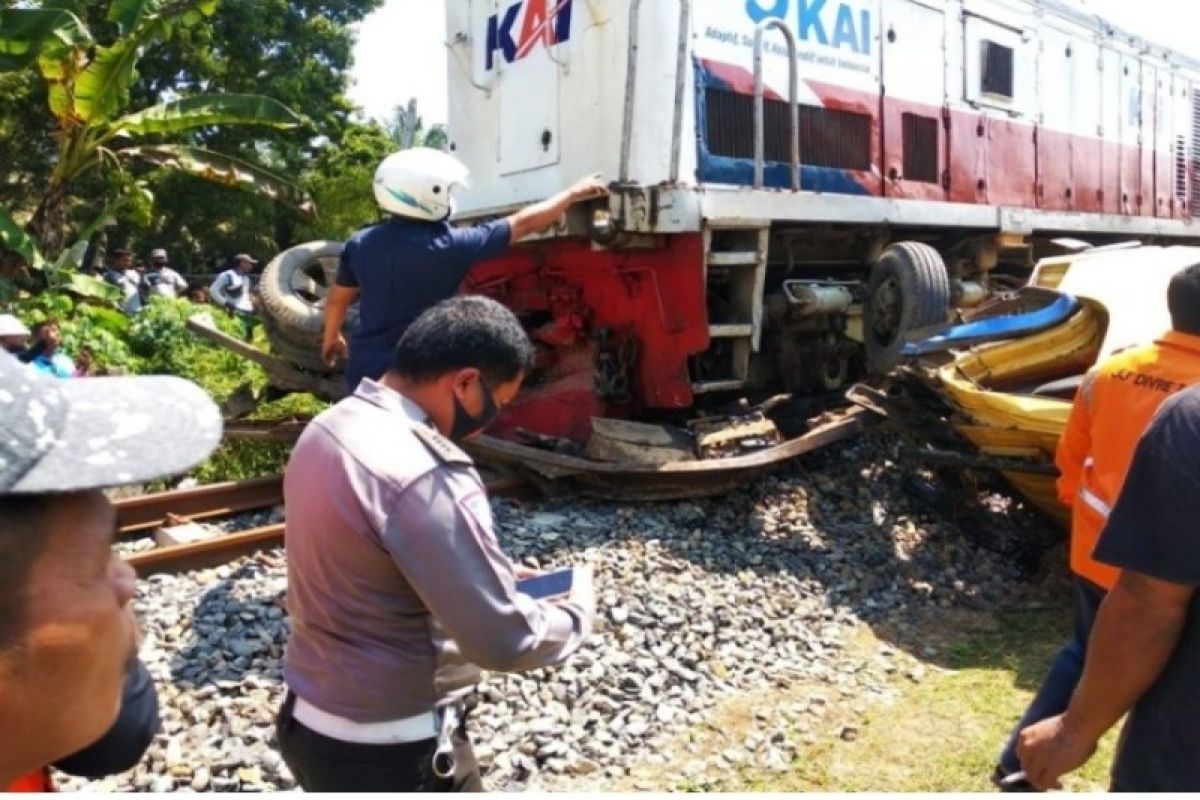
<point>419,183</point>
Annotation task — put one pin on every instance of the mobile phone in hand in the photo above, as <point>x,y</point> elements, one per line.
<point>550,585</point>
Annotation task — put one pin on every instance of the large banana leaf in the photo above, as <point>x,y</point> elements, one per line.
<point>204,110</point>
<point>27,33</point>
<point>128,14</point>
<point>102,88</point>
<point>15,239</point>
<point>93,288</point>
<point>227,171</point>
<point>72,257</point>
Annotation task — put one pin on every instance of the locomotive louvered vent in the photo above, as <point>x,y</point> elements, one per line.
<point>1181,167</point>
<point>920,148</point>
<point>828,137</point>
<point>1194,166</point>
<point>997,69</point>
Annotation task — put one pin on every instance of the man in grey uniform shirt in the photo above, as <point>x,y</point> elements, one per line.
<point>397,588</point>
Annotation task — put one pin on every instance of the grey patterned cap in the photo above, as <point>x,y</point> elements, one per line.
<point>88,433</point>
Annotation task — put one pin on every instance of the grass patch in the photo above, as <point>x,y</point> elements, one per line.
<point>944,732</point>
<point>954,683</point>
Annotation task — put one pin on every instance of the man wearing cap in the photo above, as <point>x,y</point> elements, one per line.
<point>398,591</point>
<point>160,279</point>
<point>67,638</point>
<point>231,289</point>
<point>14,336</point>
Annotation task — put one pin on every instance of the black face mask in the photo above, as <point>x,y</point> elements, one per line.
<point>465,425</point>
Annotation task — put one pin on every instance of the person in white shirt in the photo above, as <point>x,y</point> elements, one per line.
<point>231,289</point>
<point>161,279</point>
<point>121,274</point>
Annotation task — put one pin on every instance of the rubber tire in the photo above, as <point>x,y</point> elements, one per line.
<point>289,312</point>
<point>303,353</point>
<point>924,287</point>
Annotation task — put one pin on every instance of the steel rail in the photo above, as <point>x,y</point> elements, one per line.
<point>229,547</point>
<point>145,513</point>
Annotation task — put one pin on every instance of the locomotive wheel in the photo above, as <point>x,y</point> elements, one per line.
<point>909,289</point>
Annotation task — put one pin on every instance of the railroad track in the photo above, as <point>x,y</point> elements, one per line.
<point>625,480</point>
<point>138,516</point>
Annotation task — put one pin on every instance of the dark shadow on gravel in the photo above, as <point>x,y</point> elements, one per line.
<point>238,629</point>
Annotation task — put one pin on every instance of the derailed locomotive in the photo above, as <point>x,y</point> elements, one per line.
<point>799,186</point>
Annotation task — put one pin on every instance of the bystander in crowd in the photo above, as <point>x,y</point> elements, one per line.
<point>44,354</point>
<point>161,280</point>
<point>71,689</point>
<point>121,274</point>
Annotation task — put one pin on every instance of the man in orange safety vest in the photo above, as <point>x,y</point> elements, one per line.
<point>1111,411</point>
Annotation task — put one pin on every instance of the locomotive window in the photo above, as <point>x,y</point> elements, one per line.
<point>997,69</point>
<point>920,148</point>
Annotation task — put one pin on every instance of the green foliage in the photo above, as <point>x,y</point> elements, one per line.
<point>205,110</point>
<point>407,128</point>
<point>156,342</point>
<point>227,171</point>
<point>293,406</point>
<point>14,238</point>
<point>239,460</point>
<point>159,337</point>
<point>88,83</point>
<point>101,332</point>
<point>30,34</point>
<point>297,51</point>
<point>340,182</point>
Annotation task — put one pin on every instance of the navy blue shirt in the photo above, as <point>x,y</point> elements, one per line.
<point>401,268</point>
<point>1155,530</point>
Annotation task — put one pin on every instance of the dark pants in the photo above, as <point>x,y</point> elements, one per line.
<point>322,764</point>
<point>1055,695</point>
<point>123,746</point>
<point>365,364</point>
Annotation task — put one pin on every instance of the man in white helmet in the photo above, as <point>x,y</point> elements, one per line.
<point>406,264</point>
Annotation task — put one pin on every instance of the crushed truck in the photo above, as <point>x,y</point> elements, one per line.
<point>798,189</point>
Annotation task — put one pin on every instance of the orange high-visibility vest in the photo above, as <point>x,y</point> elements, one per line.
<point>1111,411</point>
<point>33,782</point>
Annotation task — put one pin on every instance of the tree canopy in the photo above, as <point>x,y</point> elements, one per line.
<point>296,52</point>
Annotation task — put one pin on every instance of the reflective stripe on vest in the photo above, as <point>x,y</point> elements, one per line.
<point>1094,503</point>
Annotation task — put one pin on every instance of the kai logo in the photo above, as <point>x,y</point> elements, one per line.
<point>828,24</point>
<point>544,21</point>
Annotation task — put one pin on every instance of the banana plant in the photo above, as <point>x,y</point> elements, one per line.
<point>62,273</point>
<point>88,91</point>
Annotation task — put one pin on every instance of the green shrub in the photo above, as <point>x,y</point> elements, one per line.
<point>160,338</point>
<point>157,342</point>
<point>239,460</point>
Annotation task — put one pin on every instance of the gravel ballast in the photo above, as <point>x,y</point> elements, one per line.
<point>698,602</point>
